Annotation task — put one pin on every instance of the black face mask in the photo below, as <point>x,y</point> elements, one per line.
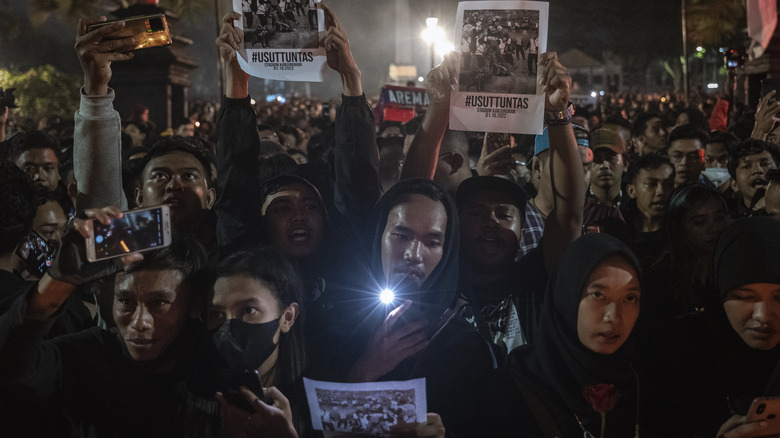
<point>245,346</point>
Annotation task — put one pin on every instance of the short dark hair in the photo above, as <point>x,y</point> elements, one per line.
<point>640,123</point>
<point>688,131</point>
<point>19,206</point>
<point>184,255</point>
<point>728,139</point>
<point>647,162</point>
<point>278,275</point>
<point>747,147</point>
<point>23,142</point>
<point>615,119</point>
<point>418,187</point>
<point>195,146</point>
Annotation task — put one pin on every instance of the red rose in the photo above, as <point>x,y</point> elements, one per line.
<point>602,397</point>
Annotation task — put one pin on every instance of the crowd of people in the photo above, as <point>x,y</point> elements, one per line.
<point>617,275</point>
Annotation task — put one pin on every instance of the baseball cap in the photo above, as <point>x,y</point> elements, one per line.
<point>475,185</point>
<point>605,138</point>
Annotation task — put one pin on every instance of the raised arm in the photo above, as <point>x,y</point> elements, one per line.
<point>238,188</point>
<point>564,223</point>
<point>27,360</point>
<point>356,154</point>
<point>97,138</point>
<point>423,154</point>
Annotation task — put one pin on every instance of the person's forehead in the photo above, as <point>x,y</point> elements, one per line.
<point>293,192</point>
<point>763,155</point>
<point>152,280</point>
<point>685,144</point>
<point>52,209</point>
<point>661,172</point>
<point>418,210</point>
<point>175,161</point>
<point>38,155</point>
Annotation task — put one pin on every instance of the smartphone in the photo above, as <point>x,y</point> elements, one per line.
<point>36,254</point>
<point>251,380</point>
<point>135,231</point>
<point>766,409</point>
<point>148,30</point>
<point>494,141</point>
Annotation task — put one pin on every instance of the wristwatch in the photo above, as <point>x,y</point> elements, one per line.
<point>562,117</point>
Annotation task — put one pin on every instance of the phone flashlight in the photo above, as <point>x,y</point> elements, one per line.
<point>387,296</point>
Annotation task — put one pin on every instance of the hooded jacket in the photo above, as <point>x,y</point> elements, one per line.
<point>457,360</point>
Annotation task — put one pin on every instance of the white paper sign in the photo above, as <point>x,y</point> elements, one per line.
<point>365,408</point>
<point>281,39</point>
<point>498,88</point>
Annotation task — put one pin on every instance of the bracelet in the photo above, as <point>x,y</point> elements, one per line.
<point>562,117</point>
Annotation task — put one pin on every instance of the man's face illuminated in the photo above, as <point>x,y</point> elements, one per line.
<point>413,240</point>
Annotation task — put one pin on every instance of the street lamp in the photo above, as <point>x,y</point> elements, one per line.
<point>437,42</point>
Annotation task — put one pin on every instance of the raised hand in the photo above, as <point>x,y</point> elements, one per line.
<point>96,53</point>
<point>556,82</point>
<point>339,55</point>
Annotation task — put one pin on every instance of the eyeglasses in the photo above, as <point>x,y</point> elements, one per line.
<point>697,155</point>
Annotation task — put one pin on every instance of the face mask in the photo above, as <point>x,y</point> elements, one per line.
<point>245,346</point>
<point>716,175</point>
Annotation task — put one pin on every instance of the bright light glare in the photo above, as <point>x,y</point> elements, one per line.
<point>386,296</point>
<point>699,48</point>
<point>712,85</point>
<point>593,94</point>
<point>420,79</point>
<point>252,101</point>
<point>601,93</point>
<point>197,124</point>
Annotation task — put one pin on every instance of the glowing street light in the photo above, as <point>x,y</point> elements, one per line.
<point>437,41</point>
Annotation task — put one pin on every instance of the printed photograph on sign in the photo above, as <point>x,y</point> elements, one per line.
<point>499,51</point>
<point>366,412</point>
<point>280,24</point>
<point>500,43</point>
<point>367,409</point>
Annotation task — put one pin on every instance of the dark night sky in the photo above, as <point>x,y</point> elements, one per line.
<point>641,30</point>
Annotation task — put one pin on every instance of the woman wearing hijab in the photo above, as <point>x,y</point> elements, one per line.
<point>728,355</point>
<point>575,379</point>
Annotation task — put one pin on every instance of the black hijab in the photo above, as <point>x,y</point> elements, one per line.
<point>747,251</point>
<point>560,366</point>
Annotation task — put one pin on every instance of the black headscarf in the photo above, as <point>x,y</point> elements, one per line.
<point>439,290</point>
<point>747,251</point>
<point>560,366</point>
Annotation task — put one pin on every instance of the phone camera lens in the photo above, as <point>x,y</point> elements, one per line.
<point>156,24</point>
<point>760,409</point>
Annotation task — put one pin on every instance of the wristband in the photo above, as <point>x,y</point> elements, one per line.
<point>562,117</point>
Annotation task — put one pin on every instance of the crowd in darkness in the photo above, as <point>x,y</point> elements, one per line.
<point>618,272</point>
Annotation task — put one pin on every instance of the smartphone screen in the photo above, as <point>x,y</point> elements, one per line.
<point>36,254</point>
<point>135,231</point>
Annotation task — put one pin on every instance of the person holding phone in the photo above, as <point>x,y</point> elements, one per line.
<point>709,366</point>
<point>253,366</point>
